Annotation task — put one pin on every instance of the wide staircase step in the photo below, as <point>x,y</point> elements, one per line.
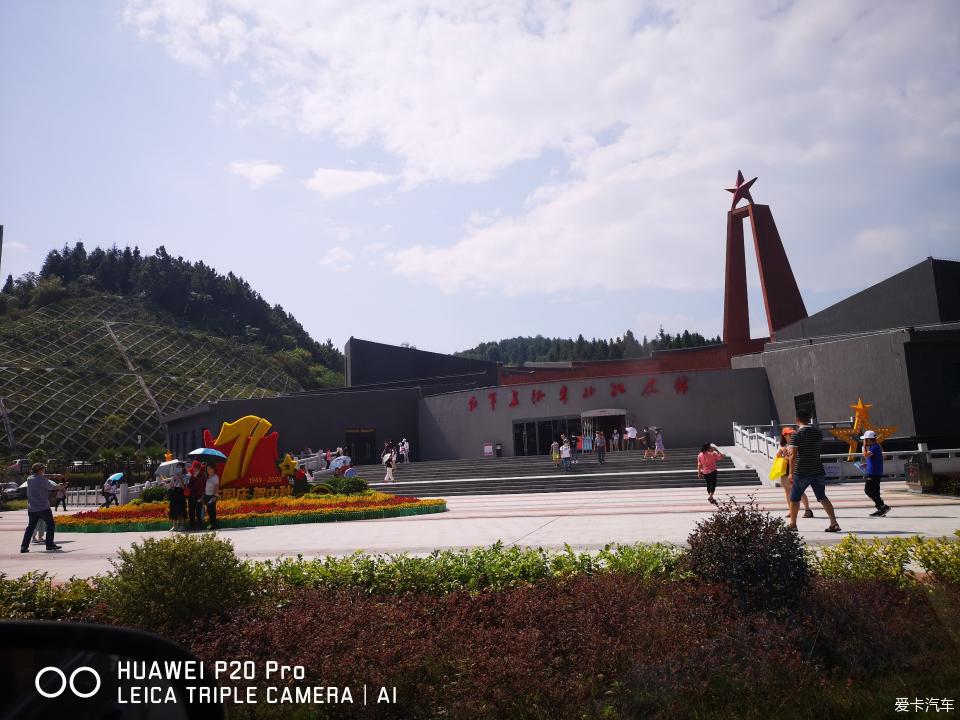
<point>535,474</point>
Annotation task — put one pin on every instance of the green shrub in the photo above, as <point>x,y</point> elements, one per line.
<point>154,494</point>
<point>750,551</point>
<point>940,557</point>
<point>856,559</point>
<point>10,505</point>
<point>34,596</point>
<point>340,486</point>
<point>492,568</point>
<point>175,581</point>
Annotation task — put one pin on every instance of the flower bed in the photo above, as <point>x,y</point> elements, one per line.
<point>260,511</point>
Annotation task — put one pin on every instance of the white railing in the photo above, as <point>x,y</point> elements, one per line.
<point>760,440</point>
<point>91,497</point>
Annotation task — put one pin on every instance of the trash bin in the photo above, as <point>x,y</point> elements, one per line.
<point>499,450</point>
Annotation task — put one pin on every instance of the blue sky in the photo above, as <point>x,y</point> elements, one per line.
<point>443,174</point>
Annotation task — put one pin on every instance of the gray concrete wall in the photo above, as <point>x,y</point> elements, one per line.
<point>319,421</point>
<point>839,371</point>
<point>908,298</point>
<point>714,399</point>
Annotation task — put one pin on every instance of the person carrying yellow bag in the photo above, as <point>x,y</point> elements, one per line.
<point>781,463</point>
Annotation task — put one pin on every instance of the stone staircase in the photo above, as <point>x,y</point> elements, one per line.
<point>499,476</point>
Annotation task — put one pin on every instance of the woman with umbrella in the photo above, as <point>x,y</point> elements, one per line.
<point>178,500</point>
<point>210,456</point>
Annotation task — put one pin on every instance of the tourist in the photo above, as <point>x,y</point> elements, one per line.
<point>555,453</point>
<point>388,463</point>
<point>565,455</point>
<point>707,461</point>
<point>786,451</point>
<point>109,494</point>
<point>786,481</point>
<point>61,496</point>
<point>616,440</point>
<point>405,450</point>
<point>630,438</point>
<point>658,445</point>
<point>38,508</point>
<point>177,498</point>
<point>647,443</point>
<point>577,448</point>
<point>806,470</point>
<point>873,471</point>
<point>600,444</point>
<point>194,492</point>
<point>210,492</point>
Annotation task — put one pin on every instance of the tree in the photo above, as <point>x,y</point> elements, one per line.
<point>8,285</point>
<point>110,432</point>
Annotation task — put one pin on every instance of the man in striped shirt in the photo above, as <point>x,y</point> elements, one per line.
<point>807,470</point>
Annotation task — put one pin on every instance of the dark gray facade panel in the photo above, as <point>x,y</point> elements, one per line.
<point>369,363</point>
<point>934,376</point>
<point>947,277</point>
<point>320,421</point>
<point>838,372</point>
<point>714,399</point>
<point>909,298</point>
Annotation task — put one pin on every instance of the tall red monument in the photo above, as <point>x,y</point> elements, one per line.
<point>781,296</point>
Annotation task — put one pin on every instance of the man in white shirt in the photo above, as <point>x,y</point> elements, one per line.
<point>210,492</point>
<point>631,433</point>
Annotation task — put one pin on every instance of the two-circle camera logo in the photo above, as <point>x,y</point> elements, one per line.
<point>52,688</point>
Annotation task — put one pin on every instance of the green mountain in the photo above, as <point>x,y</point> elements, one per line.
<point>92,356</point>
<point>518,350</point>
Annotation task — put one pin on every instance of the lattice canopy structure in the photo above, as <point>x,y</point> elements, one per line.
<point>65,367</point>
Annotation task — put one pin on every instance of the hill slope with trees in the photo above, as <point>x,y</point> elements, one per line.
<point>518,350</point>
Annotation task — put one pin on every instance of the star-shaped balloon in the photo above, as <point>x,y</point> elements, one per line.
<point>741,191</point>
<point>288,467</point>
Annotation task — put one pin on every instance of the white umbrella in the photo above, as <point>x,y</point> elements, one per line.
<point>52,483</point>
<point>165,469</point>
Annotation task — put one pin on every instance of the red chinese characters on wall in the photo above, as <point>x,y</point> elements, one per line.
<point>515,398</point>
<point>617,389</point>
<point>650,388</point>
<point>492,397</point>
<point>537,395</point>
<point>563,394</point>
<point>589,391</point>
<point>680,385</point>
<point>472,403</point>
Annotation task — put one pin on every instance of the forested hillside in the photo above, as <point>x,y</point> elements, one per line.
<point>515,351</point>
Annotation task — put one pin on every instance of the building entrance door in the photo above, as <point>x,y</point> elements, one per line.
<point>606,421</point>
<point>361,445</point>
<point>525,438</point>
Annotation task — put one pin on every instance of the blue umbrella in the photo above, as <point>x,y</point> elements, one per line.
<point>351,473</point>
<point>339,462</point>
<point>116,477</point>
<point>208,454</point>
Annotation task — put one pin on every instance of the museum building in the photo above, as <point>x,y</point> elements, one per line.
<point>895,344</point>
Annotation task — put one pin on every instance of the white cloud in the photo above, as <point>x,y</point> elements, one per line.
<point>15,245</point>
<point>257,173</point>
<point>842,109</point>
<point>333,183</point>
<point>339,256</point>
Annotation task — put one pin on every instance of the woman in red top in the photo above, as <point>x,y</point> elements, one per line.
<point>707,468</point>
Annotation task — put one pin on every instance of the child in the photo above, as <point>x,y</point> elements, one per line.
<point>565,455</point>
<point>555,453</point>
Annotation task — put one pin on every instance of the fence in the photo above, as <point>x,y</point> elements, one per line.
<point>91,497</point>
<point>755,439</point>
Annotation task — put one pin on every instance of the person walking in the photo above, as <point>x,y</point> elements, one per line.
<point>178,499</point>
<point>600,445</point>
<point>38,508</point>
<point>630,438</point>
<point>388,463</point>
<point>555,453</point>
<point>109,494</point>
<point>707,461</point>
<point>806,469</point>
<point>60,496</point>
<point>786,480</point>
<point>615,437</point>
<point>658,448</point>
<point>210,492</point>
<point>873,471</point>
<point>565,455</point>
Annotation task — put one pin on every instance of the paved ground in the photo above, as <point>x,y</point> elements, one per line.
<point>585,520</point>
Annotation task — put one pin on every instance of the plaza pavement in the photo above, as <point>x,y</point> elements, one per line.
<point>585,520</point>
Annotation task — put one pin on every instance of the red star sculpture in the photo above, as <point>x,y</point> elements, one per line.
<point>741,191</point>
